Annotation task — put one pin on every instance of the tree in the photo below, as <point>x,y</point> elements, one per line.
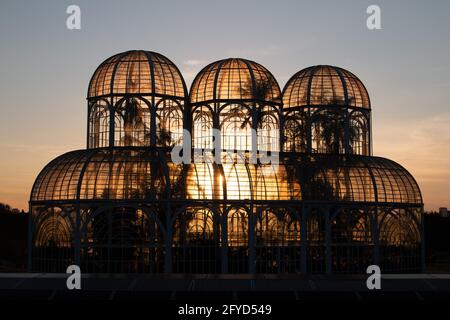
<point>295,136</point>
<point>7,209</point>
<point>133,122</point>
<point>332,124</point>
<point>260,93</point>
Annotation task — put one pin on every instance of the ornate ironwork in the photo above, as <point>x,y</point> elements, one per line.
<point>122,205</point>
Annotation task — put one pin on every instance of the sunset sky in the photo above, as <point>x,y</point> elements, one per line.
<point>45,69</point>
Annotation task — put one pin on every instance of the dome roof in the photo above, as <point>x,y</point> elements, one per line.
<point>325,85</point>
<point>139,72</point>
<point>138,173</point>
<point>356,178</point>
<point>146,173</point>
<point>235,79</point>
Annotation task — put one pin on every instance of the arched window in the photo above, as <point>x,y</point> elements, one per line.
<point>132,123</point>
<point>359,134</point>
<point>295,132</point>
<point>237,228</point>
<point>328,131</point>
<point>200,226</point>
<point>196,237</point>
<point>268,130</point>
<point>52,242</point>
<point>169,124</point>
<point>236,127</point>
<point>99,125</point>
<point>202,128</point>
<point>124,240</point>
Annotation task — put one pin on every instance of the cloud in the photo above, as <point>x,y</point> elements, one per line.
<point>190,68</point>
<point>433,133</point>
<point>256,53</point>
<point>194,63</point>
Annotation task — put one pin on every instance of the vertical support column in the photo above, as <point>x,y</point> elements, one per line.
<point>78,237</point>
<point>251,241</point>
<point>309,132</point>
<point>111,123</point>
<point>217,238</point>
<point>254,134</point>
<point>422,242</point>
<point>153,132</point>
<point>370,134</point>
<point>281,132</point>
<point>224,233</point>
<point>376,237</point>
<point>110,213</point>
<point>328,257</point>
<point>168,241</point>
<point>88,129</point>
<point>168,256</point>
<point>346,132</point>
<point>303,239</point>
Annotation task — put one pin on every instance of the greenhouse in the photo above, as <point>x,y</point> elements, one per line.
<point>327,206</point>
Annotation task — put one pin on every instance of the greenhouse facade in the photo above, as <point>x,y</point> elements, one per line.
<point>326,205</point>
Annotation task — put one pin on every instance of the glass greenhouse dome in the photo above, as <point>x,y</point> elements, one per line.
<point>326,110</point>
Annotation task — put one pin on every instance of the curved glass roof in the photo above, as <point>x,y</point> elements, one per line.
<point>137,72</point>
<point>235,79</point>
<point>146,173</point>
<point>325,85</point>
<point>356,178</point>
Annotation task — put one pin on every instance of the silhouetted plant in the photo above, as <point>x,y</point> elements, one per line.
<point>260,92</point>
<point>295,131</point>
<point>331,131</point>
<point>134,122</point>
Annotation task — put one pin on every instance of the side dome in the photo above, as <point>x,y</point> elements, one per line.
<point>354,178</point>
<point>137,72</point>
<point>325,85</point>
<point>235,79</point>
<point>104,174</point>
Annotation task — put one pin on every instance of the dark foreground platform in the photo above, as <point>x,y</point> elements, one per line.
<point>225,287</point>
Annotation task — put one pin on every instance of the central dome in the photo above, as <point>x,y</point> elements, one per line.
<point>235,79</point>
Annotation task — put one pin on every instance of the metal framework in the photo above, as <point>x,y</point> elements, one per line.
<point>123,205</point>
<point>136,98</point>
<point>237,97</point>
